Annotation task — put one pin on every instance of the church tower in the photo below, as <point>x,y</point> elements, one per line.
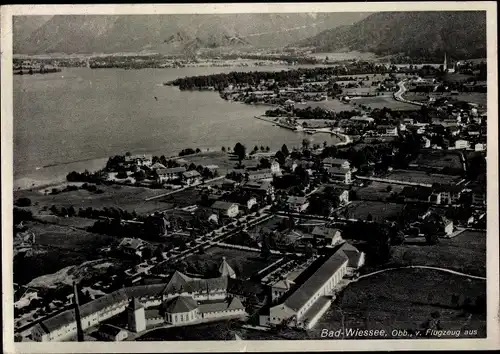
<point>445,64</point>
<point>136,316</point>
<point>225,269</point>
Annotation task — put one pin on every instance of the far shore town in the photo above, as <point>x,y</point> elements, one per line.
<point>246,242</point>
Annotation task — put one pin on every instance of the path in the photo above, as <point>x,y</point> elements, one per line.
<point>183,189</point>
<point>422,267</point>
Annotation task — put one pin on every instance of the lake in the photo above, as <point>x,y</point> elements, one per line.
<point>75,119</point>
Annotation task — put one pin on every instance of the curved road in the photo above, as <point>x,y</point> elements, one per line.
<point>423,267</point>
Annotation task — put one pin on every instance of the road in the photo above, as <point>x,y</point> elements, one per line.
<point>422,267</point>
<point>183,189</point>
<point>398,96</point>
<point>217,236</point>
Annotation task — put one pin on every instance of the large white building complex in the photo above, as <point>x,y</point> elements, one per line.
<point>183,300</point>
<point>304,302</point>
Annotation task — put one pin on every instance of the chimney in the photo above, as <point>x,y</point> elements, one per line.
<point>79,329</point>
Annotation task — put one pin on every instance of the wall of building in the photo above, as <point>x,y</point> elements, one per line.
<point>219,314</point>
<point>154,321</point>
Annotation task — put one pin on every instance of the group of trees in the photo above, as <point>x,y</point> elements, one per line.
<point>189,151</point>
<point>282,78</point>
<point>312,113</point>
<point>86,176</point>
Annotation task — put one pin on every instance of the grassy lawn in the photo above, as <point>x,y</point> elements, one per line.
<point>124,197</point>
<point>465,253</point>
<point>379,210</point>
<point>439,159</point>
<point>244,263</point>
<point>378,191</point>
<point>182,198</point>
<point>57,247</point>
<point>421,177</point>
<point>405,299</point>
<point>385,101</point>
<point>332,104</point>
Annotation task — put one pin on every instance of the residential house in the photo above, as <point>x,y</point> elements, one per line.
<point>480,147</point>
<point>259,175</point>
<point>331,236</point>
<point>191,177</point>
<point>297,204</point>
<point>415,194</point>
<point>138,160</point>
<point>243,198</point>
<point>462,144</point>
<point>112,333</point>
<point>454,131</point>
<point>426,143</point>
<point>226,208</point>
<point>275,168</point>
<point>333,162</point>
<point>478,193</point>
<point>170,174</point>
<point>131,246</point>
<point>261,189</point>
<point>157,166</point>
<point>446,193</point>
<point>340,174</point>
<point>446,226</point>
<point>387,130</point>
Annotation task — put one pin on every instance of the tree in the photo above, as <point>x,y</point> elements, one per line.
<point>198,150</point>
<point>268,149</point>
<point>432,238</point>
<point>305,144</point>
<point>223,149</point>
<point>147,253</point>
<point>284,150</point>
<point>23,202</point>
<point>280,157</point>
<point>240,151</point>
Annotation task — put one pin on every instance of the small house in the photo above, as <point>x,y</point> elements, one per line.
<point>226,208</point>
<point>191,177</point>
<point>112,333</point>
<point>170,174</point>
<point>297,204</point>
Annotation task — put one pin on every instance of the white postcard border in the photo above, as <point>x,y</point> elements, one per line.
<point>493,328</point>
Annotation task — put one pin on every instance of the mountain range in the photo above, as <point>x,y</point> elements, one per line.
<point>168,33</point>
<point>461,34</point>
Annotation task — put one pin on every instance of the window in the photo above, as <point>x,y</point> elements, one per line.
<point>175,318</point>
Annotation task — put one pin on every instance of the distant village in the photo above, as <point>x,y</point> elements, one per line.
<point>268,238</point>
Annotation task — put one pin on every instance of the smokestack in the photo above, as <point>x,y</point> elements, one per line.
<point>79,330</point>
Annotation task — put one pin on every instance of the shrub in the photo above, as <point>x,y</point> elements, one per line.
<point>23,202</point>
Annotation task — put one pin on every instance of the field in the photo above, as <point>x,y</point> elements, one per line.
<point>379,210</point>
<point>218,158</point>
<point>405,299</point>
<point>56,247</point>
<point>471,97</point>
<point>117,196</point>
<point>332,104</point>
<point>384,101</point>
<point>464,253</point>
<point>416,96</point>
<point>182,198</point>
<point>439,159</point>
<point>421,177</point>
<point>378,191</point>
